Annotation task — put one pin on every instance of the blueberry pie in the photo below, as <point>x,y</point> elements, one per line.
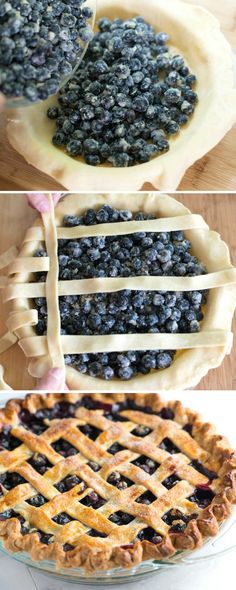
<point>98,481</point>
<point>143,295</point>
<point>151,86</point>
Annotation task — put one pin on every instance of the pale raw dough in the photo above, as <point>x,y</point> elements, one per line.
<point>195,34</point>
<point>205,350</point>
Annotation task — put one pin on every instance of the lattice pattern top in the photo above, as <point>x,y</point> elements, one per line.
<point>99,481</point>
<point>199,351</point>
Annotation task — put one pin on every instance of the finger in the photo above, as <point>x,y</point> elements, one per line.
<point>38,201</point>
<point>56,197</point>
<point>52,381</point>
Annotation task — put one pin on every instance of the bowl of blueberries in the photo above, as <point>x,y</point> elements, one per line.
<point>42,43</point>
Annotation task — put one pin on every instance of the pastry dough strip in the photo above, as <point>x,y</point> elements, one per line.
<point>140,283</point>
<point>53,322</point>
<point>30,264</point>
<point>7,257</point>
<point>18,319</point>
<point>37,345</point>
<point>181,222</point>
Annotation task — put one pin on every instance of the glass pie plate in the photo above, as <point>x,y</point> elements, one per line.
<point>17,102</point>
<point>215,547</point>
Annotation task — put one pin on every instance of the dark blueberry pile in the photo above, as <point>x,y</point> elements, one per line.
<point>176,520</point>
<point>40,42</point>
<point>128,98</point>
<point>124,312</point>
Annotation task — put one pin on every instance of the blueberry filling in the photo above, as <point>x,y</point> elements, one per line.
<point>169,446</point>
<point>146,498</point>
<point>166,414</point>
<point>202,469</point>
<point>64,448</point>
<point>129,96</point>
<point>37,501</point>
<point>124,312</point>
<point>12,514</point>
<point>121,518</point>
<point>115,448</point>
<point>94,466</point>
<point>68,483</point>
<point>141,431</point>
<point>8,442</point>
<point>94,533</point>
<point>10,480</point>
<point>119,481</point>
<point>67,547</point>
<point>188,428</point>
<point>177,520</point>
<point>62,518</point>
<point>93,500</point>
<point>148,465</point>
<point>170,481</point>
<point>202,496</point>
<point>32,422</point>
<point>40,463</point>
<point>45,538</point>
<point>148,534</point>
<point>90,431</point>
<point>40,43</point>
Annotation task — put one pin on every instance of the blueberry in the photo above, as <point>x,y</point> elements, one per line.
<point>74,148</point>
<point>91,146</point>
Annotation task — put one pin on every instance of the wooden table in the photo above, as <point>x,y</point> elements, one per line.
<point>16,217</point>
<point>215,171</point>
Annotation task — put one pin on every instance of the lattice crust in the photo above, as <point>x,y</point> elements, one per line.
<point>198,351</point>
<point>119,544</point>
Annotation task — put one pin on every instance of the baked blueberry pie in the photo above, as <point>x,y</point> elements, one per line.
<point>150,88</point>
<point>123,295</point>
<point>98,481</point>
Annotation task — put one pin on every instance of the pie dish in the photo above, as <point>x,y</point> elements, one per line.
<point>199,349</point>
<point>209,56</point>
<point>99,481</point>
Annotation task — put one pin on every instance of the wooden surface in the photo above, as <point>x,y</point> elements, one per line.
<point>215,171</point>
<point>218,210</point>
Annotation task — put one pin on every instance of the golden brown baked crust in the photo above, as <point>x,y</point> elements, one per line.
<point>119,548</point>
<point>195,34</point>
<point>198,352</point>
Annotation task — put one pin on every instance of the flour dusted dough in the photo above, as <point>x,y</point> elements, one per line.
<point>197,353</point>
<point>195,34</point>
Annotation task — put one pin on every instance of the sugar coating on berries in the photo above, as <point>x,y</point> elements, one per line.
<point>40,43</point>
<point>131,94</point>
<point>126,311</point>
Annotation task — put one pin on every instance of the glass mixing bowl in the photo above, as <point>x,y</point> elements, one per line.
<point>16,102</point>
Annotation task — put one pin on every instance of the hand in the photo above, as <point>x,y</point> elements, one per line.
<point>51,381</point>
<point>40,201</point>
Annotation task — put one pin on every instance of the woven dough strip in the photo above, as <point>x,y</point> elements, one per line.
<point>109,285</point>
<point>54,321</point>
<point>46,351</point>
<point>38,345</point>
<point>163,224</point>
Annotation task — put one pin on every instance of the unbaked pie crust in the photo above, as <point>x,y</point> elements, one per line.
<point>195,34</point>
<point>197,353</point>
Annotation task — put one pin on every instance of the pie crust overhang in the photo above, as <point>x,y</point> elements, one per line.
<point>210,345</point>
<point>195,34</point>
<point>116,549</point>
